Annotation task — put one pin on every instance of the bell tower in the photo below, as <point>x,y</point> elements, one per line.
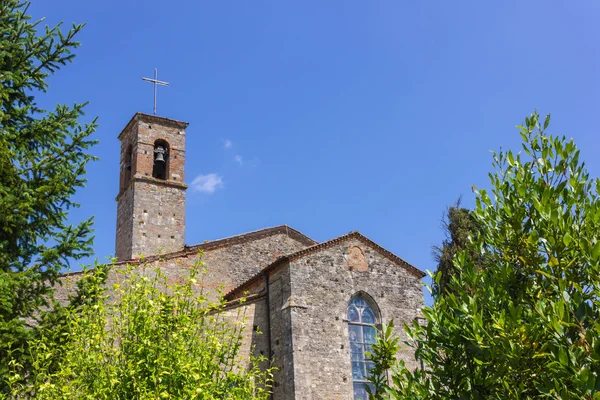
<point>151,199</point>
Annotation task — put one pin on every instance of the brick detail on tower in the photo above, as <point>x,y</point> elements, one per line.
<point>151,199</point>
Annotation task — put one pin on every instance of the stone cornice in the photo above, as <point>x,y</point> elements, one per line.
<point>149,179</point>
<point>153,119</point>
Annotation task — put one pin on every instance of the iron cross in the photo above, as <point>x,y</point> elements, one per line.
<point>155,81</point>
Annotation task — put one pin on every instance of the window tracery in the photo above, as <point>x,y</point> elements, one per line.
<point>362,327</point>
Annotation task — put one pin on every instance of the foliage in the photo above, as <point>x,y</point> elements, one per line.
<point>42,163</point>
<point>527,324</point>
<point>382,354</point>
<point>147,338</point>
<point>390,377</point>
<point>460,225</point>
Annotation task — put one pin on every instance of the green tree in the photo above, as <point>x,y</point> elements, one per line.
<point>527,323</point>
<point>147,338</point>
<point>42,163</point>
<point>460,226</point>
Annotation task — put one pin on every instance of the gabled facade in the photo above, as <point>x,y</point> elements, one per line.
<point>308,296</point>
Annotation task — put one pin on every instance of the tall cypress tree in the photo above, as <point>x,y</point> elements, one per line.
<point>460,226</point>
<point>43,159</point>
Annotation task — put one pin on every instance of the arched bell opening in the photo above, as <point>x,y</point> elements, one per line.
<point>160,167</point>
<point>128,162</point>
<point>126,167</point>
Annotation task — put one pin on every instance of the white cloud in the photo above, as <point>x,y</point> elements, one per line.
<point>207,183</point>
<point>238,159</point>
<point>228,144</point>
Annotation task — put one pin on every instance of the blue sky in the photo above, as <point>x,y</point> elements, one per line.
<point>329,116</point>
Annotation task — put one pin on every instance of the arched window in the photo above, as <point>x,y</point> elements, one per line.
<point>160,168</point>
<point>362,321</point>
<point>128,161</point>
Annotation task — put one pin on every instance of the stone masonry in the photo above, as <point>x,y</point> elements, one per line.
<point>229,261</point>
<point>308,297</point>
<point>150,211</point>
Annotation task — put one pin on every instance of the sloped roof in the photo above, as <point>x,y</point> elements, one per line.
<point>322,246</point>
<point>215,244</point>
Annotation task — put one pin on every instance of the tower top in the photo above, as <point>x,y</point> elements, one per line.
<point>148,118</point>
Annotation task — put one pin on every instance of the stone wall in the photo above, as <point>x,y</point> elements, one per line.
<point>302,306</point>
<point>124,237</point>
<point>233,265</point>
<point>252,316</point>
<point>158,217</point>
<point>282,351</point>
<point>322,284</point>
<point>227,264</point>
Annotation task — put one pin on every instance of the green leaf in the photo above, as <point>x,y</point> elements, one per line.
<point>533,239</point>
<point>563,357</point>
<point>596,251</point>
<point>510,158</point>
<point>547,275</point>
<point>567,239</point>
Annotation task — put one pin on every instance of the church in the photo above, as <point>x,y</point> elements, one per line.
<point>318,305</point>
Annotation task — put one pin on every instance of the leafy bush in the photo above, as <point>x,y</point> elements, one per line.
<point>146,338</point>
<point>527,323</point>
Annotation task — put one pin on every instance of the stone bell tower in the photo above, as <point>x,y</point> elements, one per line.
<point>151,199</point>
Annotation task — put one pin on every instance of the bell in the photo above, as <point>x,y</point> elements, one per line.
<point>160,154</point>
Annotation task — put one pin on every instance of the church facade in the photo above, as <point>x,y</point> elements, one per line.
<point>318,305</point>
